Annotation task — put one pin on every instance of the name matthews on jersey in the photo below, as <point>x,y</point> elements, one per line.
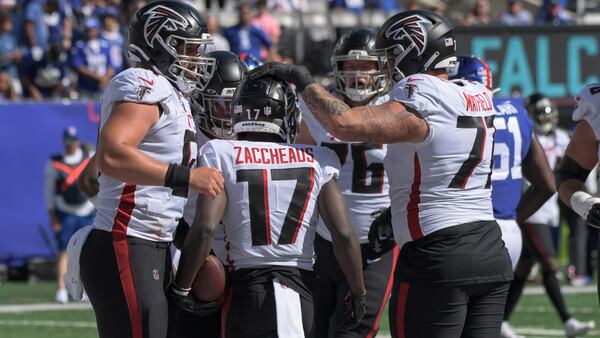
<point>256,155</point>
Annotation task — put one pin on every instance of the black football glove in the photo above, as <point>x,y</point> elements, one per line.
<point>593,216</point>
<point>189,303</point>
<point>298,75</point>
<point>354,311</point>
<point>381,234</point>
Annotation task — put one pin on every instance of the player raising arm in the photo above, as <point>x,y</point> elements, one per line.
<point>453,271</point>
<point>364,184</point>
<point>580,158</point>
<point>269,214</point>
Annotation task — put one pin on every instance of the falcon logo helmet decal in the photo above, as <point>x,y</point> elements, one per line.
<point>410,28</point>
<point>160,18</point>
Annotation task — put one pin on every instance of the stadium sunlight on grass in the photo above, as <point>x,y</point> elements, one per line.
<point>534,316</point>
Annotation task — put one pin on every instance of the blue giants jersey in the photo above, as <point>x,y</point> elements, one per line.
<point>511,145</point>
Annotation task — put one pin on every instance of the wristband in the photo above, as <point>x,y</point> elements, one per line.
<point>177,176</point>
<point>581,202</point>
<point>178,290</point>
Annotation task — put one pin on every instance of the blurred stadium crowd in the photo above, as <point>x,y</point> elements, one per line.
<point>70,49</point>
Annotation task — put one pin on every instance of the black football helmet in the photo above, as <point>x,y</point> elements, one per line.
<point>415,42</point>
<point>266,105</point>
<point>170,37</point>
<point>358,85</point>
<point>543,112</point>
<point>212,105</point>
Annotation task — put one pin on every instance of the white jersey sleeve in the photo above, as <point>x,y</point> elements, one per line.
<point>417,92</point>
<point>139,86</point>
<point>587,107</point>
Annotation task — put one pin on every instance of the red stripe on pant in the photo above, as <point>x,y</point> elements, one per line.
<point>225,312</point>
<point>388,290</point>
<point>400,310</point>
<point>119,235</point>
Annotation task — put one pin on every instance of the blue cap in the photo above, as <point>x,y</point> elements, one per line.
<point>70,134</point>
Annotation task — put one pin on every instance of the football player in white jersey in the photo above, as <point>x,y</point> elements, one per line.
<point>363,182</point>
<point>580,158</point>
<point>518,154</point>
<point>212,111</point>
<point>146,147</point>
<point>269,214</point>
<point>537,236</point>
<point>453,271</point>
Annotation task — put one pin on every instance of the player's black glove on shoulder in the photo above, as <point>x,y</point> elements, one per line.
<point>354,311</point>
<point>298,75</point>
<point>381,234</point>
<point>187,302</point>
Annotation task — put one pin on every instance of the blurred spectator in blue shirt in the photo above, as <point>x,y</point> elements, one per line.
<point>553,13</point>
<point>112,34</point>
<point>515,15</point>
<point>45,78</point>
<point>47,22</point>
<point>10,54</point>
<point>245,38</point>
<point>91,59</point>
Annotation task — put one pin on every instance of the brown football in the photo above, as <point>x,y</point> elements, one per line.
<point>209,284</point>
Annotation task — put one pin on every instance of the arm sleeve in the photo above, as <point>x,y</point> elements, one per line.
<point>587,107</point>
<point>417,92</point>
<point>139,86</point>
<point>49,185</point>
<point>209,156</point>
<point>330,167</point>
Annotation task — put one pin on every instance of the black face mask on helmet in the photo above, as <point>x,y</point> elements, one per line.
<point>266,105</point>
<point>170,37</point>
<point>543,112</point>
<point>211,106</point>
<point>414,42</point>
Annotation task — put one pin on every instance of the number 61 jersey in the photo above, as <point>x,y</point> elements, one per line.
<point>272,191</point>
<point>446,179</point>
<point>513,139</point>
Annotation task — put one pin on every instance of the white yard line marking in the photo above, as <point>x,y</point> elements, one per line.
<point>567,290</point>
<point>43,307</point>
<point>46,323</point>
<point>546,332</point>
<point>548,309</point>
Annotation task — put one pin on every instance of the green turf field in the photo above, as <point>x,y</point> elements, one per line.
<point>534,317</point>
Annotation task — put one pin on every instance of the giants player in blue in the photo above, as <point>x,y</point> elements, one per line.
<point>517,153</point>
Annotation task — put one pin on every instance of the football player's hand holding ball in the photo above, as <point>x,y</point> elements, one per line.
<point>183,299</point>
